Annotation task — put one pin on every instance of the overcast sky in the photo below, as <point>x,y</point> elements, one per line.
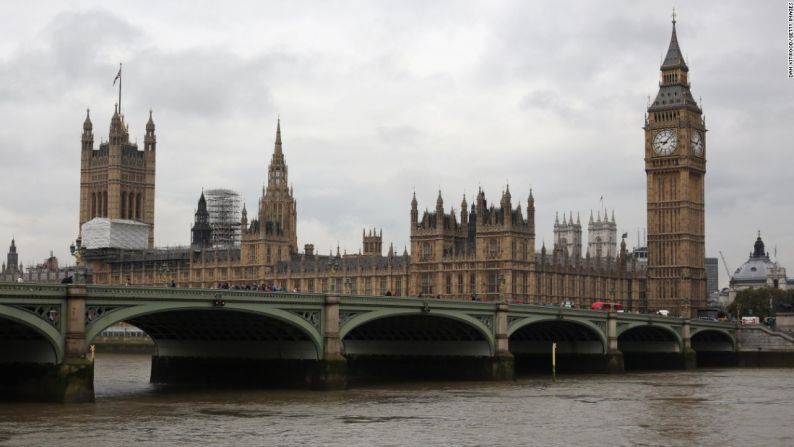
<point>381,99</point>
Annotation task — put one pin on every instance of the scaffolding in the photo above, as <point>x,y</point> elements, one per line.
<point>223,206</point>
<point>101,232</point>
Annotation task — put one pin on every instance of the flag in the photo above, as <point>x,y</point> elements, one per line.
<point>625,235</point>
<point>118,76</point>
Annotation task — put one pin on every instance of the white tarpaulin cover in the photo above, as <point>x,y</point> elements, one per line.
<point>102,232</point>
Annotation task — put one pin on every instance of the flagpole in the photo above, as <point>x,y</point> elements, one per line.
<point>119,88</point>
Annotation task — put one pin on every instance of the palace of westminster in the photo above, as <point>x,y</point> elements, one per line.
<point>487,251</point>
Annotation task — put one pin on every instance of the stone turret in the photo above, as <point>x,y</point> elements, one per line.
<point>414,212</point>
<point>372,242</point>
<point>150,139</point>
<point>202,231</point>
<point>88,132</point>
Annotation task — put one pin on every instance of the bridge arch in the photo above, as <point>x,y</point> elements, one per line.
<point>416,332</point>
<point>648,338</point>
<point>535,335</point>
<point>713,340</point>
<point>28,338</point>
<point>239,330</point>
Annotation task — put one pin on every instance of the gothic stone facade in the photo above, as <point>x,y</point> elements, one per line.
<point>487,252</point>
<point>675,163</point>
<point>117,180</point>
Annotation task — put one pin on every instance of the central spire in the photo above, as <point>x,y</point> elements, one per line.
<point>674,90</point>
<point>674,58</point>
<point>277,148</point>
<point>277,171</point>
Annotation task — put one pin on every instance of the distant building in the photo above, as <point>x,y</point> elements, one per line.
<point>759,271</point>
<point>201,232</point>
<point>11,268</point>
<point>602,236</point>
<point>568,235</point>
<point>712,276</point>
<point>45,272</point>
<point>639,255</point>
<point>223,208</point>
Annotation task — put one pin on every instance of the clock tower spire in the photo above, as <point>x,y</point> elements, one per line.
<point>675,165</point>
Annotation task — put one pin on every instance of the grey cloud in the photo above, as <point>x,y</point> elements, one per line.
<point>205,82</point>
<point>544,100</point>
<point>400,135</point>
<point>73,50</point>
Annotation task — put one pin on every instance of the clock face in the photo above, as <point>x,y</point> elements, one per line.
<point>697,143</point>
<point>664,142</point>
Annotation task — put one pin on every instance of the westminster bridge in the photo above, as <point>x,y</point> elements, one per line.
<point>323,341</point>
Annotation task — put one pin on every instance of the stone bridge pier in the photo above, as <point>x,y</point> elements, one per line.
<point>502,364</point>
<point>33,368</point>
<point>75,376</point>
<point>330,373</point>
<point>613,358</point>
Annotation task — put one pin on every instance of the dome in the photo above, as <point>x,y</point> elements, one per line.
<point>756,269</point>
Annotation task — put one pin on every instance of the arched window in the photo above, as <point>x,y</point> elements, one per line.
<point>427,249</point>
<point>493,247</point>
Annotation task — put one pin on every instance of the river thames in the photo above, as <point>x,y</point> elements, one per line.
<point>730,407</point>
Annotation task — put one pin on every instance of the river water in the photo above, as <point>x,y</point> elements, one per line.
<point>726,407</point>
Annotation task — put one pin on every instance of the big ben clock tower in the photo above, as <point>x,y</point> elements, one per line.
<point>675,164</point>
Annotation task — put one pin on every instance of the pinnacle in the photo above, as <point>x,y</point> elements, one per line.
<point>674,58</point>
<point>150,123</point>
<point>278,137</point>
<point>87,125</point>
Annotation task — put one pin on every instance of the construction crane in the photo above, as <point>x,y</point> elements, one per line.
<point>725,264</point>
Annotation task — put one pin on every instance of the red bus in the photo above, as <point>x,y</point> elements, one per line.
<point>601,305</point>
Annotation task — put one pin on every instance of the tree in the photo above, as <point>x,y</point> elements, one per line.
<point>762,302</point>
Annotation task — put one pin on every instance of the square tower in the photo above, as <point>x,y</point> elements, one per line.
<point>117,180</point>
<point>675,164</point>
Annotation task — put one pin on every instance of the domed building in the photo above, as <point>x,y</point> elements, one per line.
<point>759,271</point>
